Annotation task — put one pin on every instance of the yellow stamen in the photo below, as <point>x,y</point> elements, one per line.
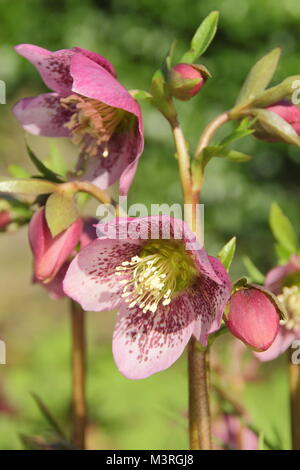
<point>161,270</point>
<point>290,299</point>
<point>92,123</point>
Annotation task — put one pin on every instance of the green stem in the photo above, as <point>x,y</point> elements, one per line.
<point>209,132</point>
<point>294,386</point>
<point>79,412</point>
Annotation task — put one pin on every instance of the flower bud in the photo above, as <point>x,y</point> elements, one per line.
<point>253,318</point>
<point>50,253</point>
<point>5,219</point>
<point>186,80</point>
<point>289,112</point>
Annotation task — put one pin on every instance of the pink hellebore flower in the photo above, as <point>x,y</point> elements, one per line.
<point>90,106</point>
<point>165,286</point>
<point>233,435</point>
<point>253,318</point>
<point>284,281</point>
<point>181,78</point>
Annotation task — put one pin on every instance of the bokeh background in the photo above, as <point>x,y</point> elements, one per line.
<point>135,36</point>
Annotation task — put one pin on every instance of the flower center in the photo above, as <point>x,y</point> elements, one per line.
<point>161,270</point>
<point>92,123</point>
<point>290,299</point>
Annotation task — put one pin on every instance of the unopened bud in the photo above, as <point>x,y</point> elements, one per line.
<point>186,80</point>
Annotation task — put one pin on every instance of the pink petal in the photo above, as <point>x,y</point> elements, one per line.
<point>99,59</point>
<point>281,343</point>
<point>91,279</point>
<point>275,278</point>
<point>146,343</point>
<point>55,287</point>
<point>208,301</point>
<point>54,67</point>
<point>51,253</point>
<point>43,115</point>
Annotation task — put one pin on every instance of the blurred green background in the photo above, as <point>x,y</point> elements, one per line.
<point>135,36</point>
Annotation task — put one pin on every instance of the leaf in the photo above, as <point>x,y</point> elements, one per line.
<point>46,172</point>
<point>283,255</point>
<point>17,171</point>
<point>56,161</point>
<point>276,126</point>
<point>284,90</point>
<point>61,211</point>
<point>33,187</point>
<point>236,156</point>
<point>48,415</point>
<point>226,254</point>
<point>282,229</point>
<point>254,273</point>
<point>259,77</point>
<point>140,95</point>
<point>202,38</point>
<point>243,130</point>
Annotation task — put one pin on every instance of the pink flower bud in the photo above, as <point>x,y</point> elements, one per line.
<point>289,112</point>
<point>253,318</point>
<point>51,253</point>
<point>185,81</point>
<point>5,218</point>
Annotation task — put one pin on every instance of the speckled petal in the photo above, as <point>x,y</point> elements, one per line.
<point>91,279</point>
<point>146,343</point>
<point>43,115</point>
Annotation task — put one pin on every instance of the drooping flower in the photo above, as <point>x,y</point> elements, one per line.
<point>233,435</point>
<point>289,112</point>
<point>185,81</point>
<point>165,286</point>
<point>52,256</point>
<point>284,281</point>
<point>89,105</point>
<point>253,318</point>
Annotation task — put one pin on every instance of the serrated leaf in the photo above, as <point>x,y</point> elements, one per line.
<point>17,171</point>
<point>33,187</point>
<point>46,172</point>
<point>254,273</point>
<point>259,76</point>
<point>202,38</point>
<point>277,93</point>
<point>275,126</point>
<point>226,254</point>
<point>61,211</point>
<point>282,229</point>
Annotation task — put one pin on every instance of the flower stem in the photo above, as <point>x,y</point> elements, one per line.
<point>209,132</point>
<point>78,434</point>
<point>294,385</point>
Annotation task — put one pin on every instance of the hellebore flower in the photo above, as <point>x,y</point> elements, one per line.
<point>91,107</point>
<point>233,435</point>
<point>284,281</point>
<point>163,283</point>
<point>185,81</point>
<point>253,318</point>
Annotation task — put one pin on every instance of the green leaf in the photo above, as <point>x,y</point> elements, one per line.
<point>48,415</point>
<point>227,253</point>
<point>61,211</point>
<point>243,130</point>
<point>283,255</point>
<point>236,156</point>
<point>275,126</point>
<point>254,273</point>
<point>140,95</point>
<point>46,172</point>
<point>259,77</point>
<point>282,229</point>
<point>17,171</point>
<point>33,187</point>
<point>202,38</point>
<point>277,93</point>
<point>56,161</point>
